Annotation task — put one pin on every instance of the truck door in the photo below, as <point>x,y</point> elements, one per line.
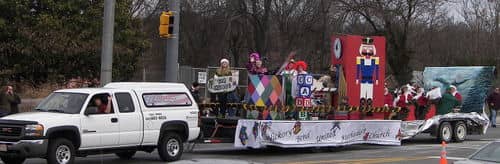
<point>130,117</point>
<point>100,127</point>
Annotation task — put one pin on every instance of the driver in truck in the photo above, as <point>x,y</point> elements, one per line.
<point>103,104</point>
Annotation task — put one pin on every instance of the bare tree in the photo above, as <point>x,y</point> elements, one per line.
<point>419,33</point>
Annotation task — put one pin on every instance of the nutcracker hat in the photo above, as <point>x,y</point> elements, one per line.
<point>302,64</point>
<point>367,40</point>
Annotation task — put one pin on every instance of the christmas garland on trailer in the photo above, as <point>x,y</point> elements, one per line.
<point>292,112</point>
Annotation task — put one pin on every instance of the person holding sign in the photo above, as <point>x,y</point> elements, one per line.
<point>223,70</point>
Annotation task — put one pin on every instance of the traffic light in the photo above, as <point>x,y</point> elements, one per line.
<point>166,24</point>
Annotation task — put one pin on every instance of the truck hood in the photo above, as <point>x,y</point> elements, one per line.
<point>36,116</point>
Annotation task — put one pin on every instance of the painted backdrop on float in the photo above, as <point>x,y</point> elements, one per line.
<point>473,83</point>
<point>346,52</point>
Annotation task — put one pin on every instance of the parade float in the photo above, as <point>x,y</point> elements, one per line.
<point>302,110</point>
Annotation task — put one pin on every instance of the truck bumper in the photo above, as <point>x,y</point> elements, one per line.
<point>24,148</point>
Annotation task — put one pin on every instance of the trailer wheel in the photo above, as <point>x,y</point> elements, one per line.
<point>445,132</point>
<point>459,131</point>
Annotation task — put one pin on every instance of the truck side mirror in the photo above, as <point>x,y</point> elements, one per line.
<point>90,110</point>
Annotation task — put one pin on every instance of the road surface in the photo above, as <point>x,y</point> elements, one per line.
<point>421,149</point>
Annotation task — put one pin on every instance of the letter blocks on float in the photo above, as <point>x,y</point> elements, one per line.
<point>304,84</point>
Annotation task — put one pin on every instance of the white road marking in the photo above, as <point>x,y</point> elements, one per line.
<point>490,139</point>
<point>450,158</point>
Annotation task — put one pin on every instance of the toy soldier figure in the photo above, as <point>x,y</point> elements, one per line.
<point>367,67</point>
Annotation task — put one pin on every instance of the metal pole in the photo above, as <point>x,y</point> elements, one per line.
<point>171,63</point>
<point>107,42</point>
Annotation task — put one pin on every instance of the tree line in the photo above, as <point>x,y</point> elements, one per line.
<point>50,41</point>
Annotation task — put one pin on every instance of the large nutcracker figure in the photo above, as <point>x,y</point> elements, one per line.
<point>367,68</point>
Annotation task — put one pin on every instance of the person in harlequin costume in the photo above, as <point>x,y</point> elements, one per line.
<point>367,67</point>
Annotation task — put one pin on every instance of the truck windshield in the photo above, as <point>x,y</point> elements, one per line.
<point>61,102</point>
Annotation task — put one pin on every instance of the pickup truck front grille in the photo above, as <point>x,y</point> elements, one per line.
<point>10,131</point>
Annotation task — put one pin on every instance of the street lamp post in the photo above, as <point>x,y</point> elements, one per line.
<point>107,42</point>
<point>171,63</point>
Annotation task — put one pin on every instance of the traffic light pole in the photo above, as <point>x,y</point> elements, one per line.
<point>107,42</point>
<point>171,63</point>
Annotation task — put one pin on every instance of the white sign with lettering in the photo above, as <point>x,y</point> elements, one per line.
<point>202,77</point>
<point>222,84</point>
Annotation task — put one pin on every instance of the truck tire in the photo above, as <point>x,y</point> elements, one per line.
<point>445,132</point>
<point>13,160</point>
<point>60,151</point>
<point>459,131</point>
<point>170,147</point>
<point>126,155</point>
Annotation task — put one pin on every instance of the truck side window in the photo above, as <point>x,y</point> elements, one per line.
<point>125,103</point>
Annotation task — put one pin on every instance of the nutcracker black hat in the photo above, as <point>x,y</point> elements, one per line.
<point>367,40</point>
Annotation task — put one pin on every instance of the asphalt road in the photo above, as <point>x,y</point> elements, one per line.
<point>421,149</point>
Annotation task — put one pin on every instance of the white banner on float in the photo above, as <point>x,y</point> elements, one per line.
<point>289,134</point>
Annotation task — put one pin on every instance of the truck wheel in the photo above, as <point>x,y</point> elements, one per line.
<point>459,131</point>
<point>126,155</point>
<point>445,132</point>
<point>13,160</point>
<point>61,151</point>
<point>170,147</point>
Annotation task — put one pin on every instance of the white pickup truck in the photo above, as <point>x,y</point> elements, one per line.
<point>78,122</point>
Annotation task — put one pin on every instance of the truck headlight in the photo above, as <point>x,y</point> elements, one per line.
<point>33,130</point>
